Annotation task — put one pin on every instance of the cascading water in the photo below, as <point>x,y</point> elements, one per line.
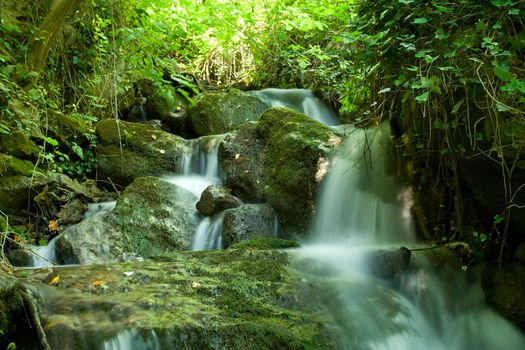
<point>301,100</point>
<point>363,207</point>
<point>200,169</point>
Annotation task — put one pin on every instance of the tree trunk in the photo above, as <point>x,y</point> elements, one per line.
<point>47,33</point>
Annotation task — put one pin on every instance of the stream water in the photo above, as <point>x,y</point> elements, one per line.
<point>362,207</point>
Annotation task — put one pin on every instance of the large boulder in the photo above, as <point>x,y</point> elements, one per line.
<point>248,221</point>
<point>216,198</point>
<point>279,160</point>
<point>130,150</point>
<point>219,112</point>
<point>151,217</point>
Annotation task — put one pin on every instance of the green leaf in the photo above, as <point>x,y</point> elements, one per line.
<point>406,1</point>
<point>514,12</point>
<point>420,20</point>
<point>502,71</point>
<point>78,150</point>
<point>500,3</point>
<point>457,106</point>
<point>482,237</point>
<point>51,141</point>
<point>498,219</point>
<point>423,97</point>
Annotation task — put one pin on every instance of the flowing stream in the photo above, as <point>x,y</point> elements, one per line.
<point>363,208</point>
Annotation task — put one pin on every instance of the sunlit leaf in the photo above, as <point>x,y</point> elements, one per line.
<point>420,20</point>
<point>423,97</point>
<point>500,3</point>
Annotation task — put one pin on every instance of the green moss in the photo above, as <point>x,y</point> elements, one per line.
<point>295,145</point>
<point>10,166</point>
<point>223,111</point>
<point>19,145</point>
<point>265,243</point>
<point>196,300</point>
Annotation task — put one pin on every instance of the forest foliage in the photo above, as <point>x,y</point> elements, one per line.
<point>450,73</point>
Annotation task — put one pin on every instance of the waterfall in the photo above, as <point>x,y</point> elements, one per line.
<point>363,206</point>
<point>361,198</point>
<point>301,100</point>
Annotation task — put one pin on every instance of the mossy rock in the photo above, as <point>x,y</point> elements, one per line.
<point>47,193</point>
<point>241,159</point>
<point>66,129</point>
<point>130,150</point>
<point>230,299</point>
<point>279,160</point>
<point>19,145</point>
<point>219,112</point>
<point>11,166</point>
<point>155,216</point>
<point>151,218</point>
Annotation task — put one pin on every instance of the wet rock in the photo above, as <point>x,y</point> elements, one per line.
<point>246,222</point>
<point>129,150</point>
<point>505,290</point>
<point>215,199</point>
<point>155,217</point>
<point>387,264</point>
<point>72,212</point>
<point>20,257</point>
<point>219,112</point>
<point>241,159</point>
<point>279,160</point>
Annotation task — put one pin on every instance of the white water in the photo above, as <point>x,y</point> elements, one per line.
<point>301,100</point>
<point>132,339</point>
<point>363,206</point>
<point>200,169</point>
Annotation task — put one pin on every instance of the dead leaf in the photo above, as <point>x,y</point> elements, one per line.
<point>98,283</point>
<point>53,225</point>
<point>54,280</point>
<point>195,285</point>
<point>162,151</point>
<point>154,137</point>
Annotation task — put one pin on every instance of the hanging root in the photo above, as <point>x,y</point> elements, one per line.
<point>31,306</point>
